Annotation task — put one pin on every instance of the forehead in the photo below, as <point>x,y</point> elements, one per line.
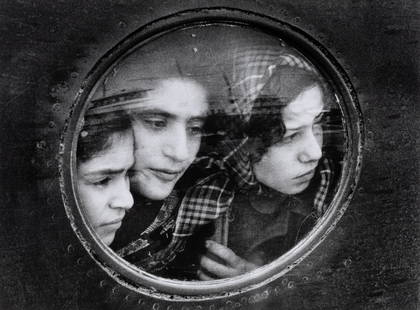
<point>303,110</point>
<point>177,97</point>
<point>118,156</point>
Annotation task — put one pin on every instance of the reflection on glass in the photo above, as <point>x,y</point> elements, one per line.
<point>233,145</point>
<point>277,182</point>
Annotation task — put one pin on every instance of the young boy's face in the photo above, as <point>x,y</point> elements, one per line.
<point>104,187</point>
<point>289,165</point>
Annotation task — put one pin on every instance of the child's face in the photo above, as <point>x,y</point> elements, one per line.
<point>289,165</point>
<point>104,187</point>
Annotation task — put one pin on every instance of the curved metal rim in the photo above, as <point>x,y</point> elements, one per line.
<point>151,285</point>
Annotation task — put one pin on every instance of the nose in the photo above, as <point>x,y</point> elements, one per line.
<point>311,149</point>
<point>177,146</point>
<point>122,197</point>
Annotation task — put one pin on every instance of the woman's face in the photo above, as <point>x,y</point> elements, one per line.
<point>167,130</point>
<point>104,187</point>
<point>289,165</point>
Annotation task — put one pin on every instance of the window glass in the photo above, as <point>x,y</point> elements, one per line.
<point>208,152</point>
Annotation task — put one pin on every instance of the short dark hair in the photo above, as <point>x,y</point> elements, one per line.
<point>96,134</point>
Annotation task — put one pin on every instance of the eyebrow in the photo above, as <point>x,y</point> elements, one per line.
<point>104,172</point>
<point>197,118</point>
<point>316,119</point>
<point>161,113</point>
<point>108,171</point>
<point>151,112</point>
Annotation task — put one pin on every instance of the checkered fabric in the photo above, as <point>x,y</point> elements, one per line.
<point>206,201</point>
<point>326,173</point>
<point>253,67</point>
<point>212,196</point>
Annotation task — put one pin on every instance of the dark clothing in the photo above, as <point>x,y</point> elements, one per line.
<point>147,231</point>
<point>223,186</point>
<point>262,235</point>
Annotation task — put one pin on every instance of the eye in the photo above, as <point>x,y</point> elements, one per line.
<point>102,182</point>
<point>196,130</point>
<point>195,127</point>
<point>155,123</point>
<point>290,138</point>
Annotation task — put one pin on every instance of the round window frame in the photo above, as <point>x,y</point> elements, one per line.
<point>149,284</point>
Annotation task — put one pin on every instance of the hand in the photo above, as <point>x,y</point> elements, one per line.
<point>222,262</point>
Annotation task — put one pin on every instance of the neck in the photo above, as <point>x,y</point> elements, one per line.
<point>267,201</point>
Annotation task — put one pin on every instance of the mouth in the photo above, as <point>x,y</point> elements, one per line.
<point>307,176</point>
<point>117,223</point>
<point>166,175</point>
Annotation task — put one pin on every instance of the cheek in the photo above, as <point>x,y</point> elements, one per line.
<point>93,204</point>
<point>140,157</point>
<point>193,147</point>
<point>320,140</point>
<point>144,137</point>
<point>274,166</point>
<point>145,150</point>
<point>278,159</point>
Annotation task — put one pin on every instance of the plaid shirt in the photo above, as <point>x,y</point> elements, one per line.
<point>209,199</point>
<point>211,196</point>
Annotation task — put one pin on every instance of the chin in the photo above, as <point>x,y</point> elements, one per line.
<point>156,193</point>
<point>150,189</point>
<point>298,189</point>
<point>108,239</point>
<point>292,190</point>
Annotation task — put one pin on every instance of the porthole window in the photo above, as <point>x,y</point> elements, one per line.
<point>208,153</point>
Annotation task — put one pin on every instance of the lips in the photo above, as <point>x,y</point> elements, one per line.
<point>166,175</point>
<point>307,176</point>
<point>117,223</point>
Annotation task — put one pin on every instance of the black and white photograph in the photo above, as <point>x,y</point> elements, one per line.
<point>209,155</point>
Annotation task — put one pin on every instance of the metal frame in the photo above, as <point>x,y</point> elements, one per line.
<point>153,286</point>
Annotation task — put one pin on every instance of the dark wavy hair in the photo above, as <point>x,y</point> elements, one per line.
<point>96,134</point>
<point>266,126</point>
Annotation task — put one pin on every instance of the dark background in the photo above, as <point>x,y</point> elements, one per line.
<point>370,260</point>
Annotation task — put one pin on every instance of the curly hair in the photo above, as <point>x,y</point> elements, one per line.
<point>265,126</point>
